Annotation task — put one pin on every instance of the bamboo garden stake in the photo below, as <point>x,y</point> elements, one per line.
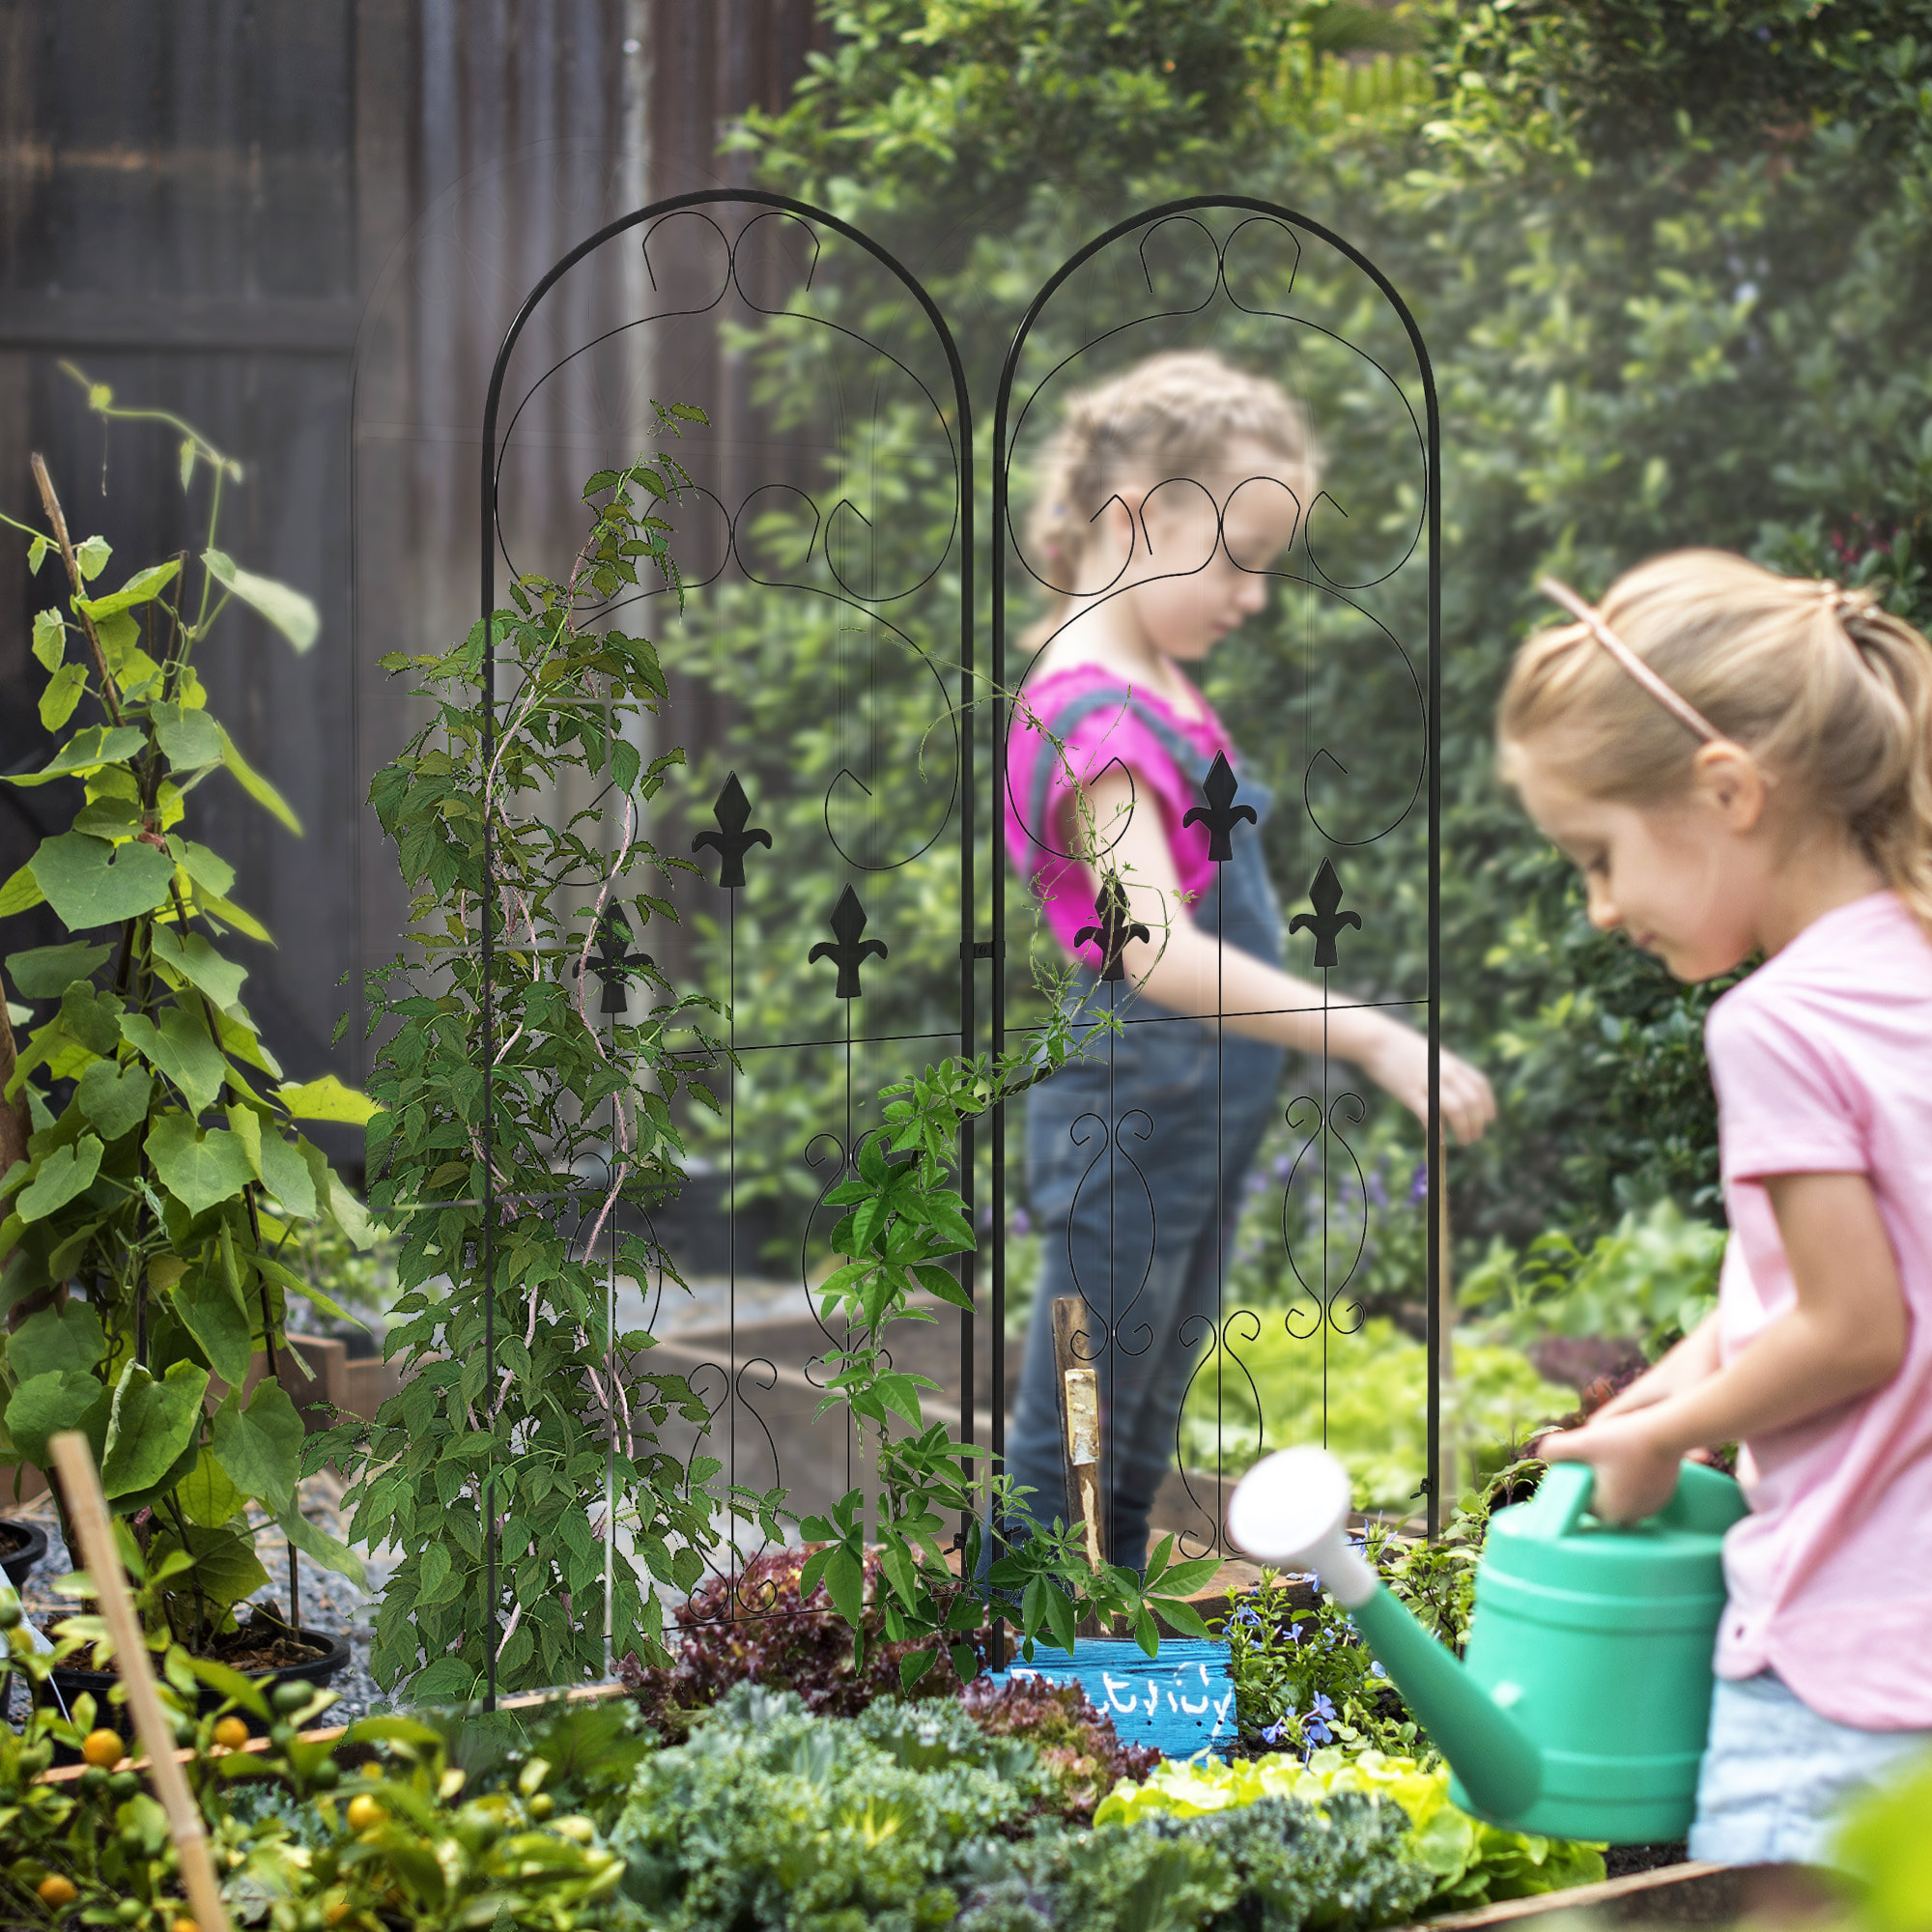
<point>87,1511</point>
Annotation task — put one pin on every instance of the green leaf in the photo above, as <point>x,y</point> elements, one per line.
<point>55,1341</point>
<point>188,739</point>
<point>212,1313</point>
<point>21,892</point>
<point>348,1212</point>
<point>206,1496</point>
<point>49,637</point>
<point>1184,1617</point>
<point>186,461</point>
<point>286,1175</point>
<point>256,786</point>
<point>46,1404</point>
<point>153,1423</point>
<point>143,588</point>
<point>258,1447</point>
<point>199,1170</point>
<point>291,612</point>
<point>91,554</point>
<point>89,883</point>
<point>65,1173</point>
<point>115,1098</point>
<point>226,1567</point>
<point>1060,1616</point>
<point>45,972</point>
<point>37,554</point>
<point>845,1579</point>
<point>321,1547</point>
<point>199,964</point>
<point>327,1099</point>
<point>92,1019</point>
<point>180,1046</point>
<point>65,690</point>
<point>87,751</point>
<point>212,873</point>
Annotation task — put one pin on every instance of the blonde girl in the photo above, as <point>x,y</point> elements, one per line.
<point>1165,496</point>
<point>1740,764</point>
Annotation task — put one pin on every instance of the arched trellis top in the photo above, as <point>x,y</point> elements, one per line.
<point>1431,436</point>
<point>488,505</point>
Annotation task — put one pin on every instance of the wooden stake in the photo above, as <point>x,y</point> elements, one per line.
<point>1068,1331</point>
<point>1081,1397</point>
<point>86,1509</point>
<point>1445,1471</point>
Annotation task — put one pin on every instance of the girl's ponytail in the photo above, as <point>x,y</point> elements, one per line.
<point>1827,689</point>
<point>1896,828</point>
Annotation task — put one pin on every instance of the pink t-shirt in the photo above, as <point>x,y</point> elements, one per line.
<point>1822,1061</point>
<point>1035,841</point>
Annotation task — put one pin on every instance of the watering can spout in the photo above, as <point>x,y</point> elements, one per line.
<point>1291,1509</point>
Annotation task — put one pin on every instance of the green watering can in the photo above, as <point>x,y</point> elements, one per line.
<point>1582,1707</point>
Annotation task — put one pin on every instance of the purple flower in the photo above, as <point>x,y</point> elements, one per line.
<point>1375,1670</point>
<point>1256,1183</point>
<point>1283,1167</point>
<point>1418,1184</point>
<point>1275,1732</point>
<point>1322,1707</point>
<point>1377,1187</point>
<point>1022,1222</point>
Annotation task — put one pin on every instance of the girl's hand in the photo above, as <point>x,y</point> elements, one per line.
<point>1637,1474</point>
<point>1396,1060</point>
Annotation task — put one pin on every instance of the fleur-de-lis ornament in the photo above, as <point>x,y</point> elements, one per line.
<point>733,839</point>
<point>1325,922</point>
<point>614,965</point>
<point>1220,815</point>
<point>1117,926</point>
<point>852,949</point>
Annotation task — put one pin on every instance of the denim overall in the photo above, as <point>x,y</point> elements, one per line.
<point>1135,1159</point>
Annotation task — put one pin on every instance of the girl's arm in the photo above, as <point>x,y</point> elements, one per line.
<point>1843,1337</point>
<point>1688,1364</point>
<point>1184,969</point>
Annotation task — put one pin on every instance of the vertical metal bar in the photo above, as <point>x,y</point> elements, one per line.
<point>998,722</point>
<point>488,1257</point>
<point>968,833</point>
<point>1432,1339</point>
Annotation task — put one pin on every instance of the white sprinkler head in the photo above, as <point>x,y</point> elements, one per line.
<point>1291,1509</point>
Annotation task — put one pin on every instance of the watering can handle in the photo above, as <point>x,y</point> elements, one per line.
<point>1560,1501</point>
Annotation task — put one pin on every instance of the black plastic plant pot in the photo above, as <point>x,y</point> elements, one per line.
<point>69,1682</point>
<point>22,1544</point>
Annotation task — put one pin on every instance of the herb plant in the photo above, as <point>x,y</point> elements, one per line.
<point>166,1170</point>
<point>563,1445</point>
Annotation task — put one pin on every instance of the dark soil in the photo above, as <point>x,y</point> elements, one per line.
<point>1620,1861</point>
<point>248,1648</point>
<point>11,1538</point>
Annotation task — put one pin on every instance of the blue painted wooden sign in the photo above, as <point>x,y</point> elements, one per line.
<point>1180,1702</point>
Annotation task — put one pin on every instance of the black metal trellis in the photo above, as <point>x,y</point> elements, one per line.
<point>734,834</point>
<point>1220,813</point>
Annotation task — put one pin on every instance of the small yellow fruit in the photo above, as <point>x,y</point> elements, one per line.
<point>57,1891</point>
<point>578,1829</point>
<point>103,1747</point>
<point>185,1926</point>
<point>364,1813</point>
<point>231,1733</point>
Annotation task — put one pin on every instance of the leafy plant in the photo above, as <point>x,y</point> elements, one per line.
<point>905,1218</point>
<point>1080,1751</point>
<point>761,1627</point>
<point>575,1409</point>
<point>1468,1862</point>
<point>1272,1863</point>
<point>772,1818</point>
<point>166,1170</point>
<point>1653,1278</point>
<point>1373,1407</point>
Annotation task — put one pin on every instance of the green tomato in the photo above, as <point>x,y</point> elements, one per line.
<point>281,1736</point>
<point>326,1776</point>
<point>93,1781</point>
<point>130,1912</point>
<point>123,1784</point>
<point>290,1695</point>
